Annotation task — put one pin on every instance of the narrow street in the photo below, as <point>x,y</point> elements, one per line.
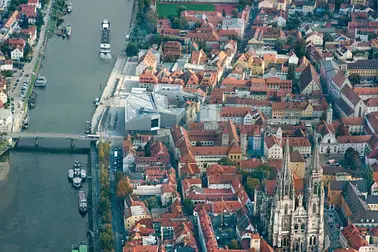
<point>116,204</point>
<point>248,29</point>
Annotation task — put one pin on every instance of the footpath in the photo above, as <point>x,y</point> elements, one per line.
<point>115,79</point>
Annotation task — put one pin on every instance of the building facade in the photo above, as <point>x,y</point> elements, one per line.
<point>293,215</point>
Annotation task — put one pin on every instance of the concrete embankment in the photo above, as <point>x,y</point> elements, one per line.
<point>4,169</point>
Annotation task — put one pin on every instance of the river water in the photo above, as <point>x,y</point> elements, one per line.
<point>38,206</point>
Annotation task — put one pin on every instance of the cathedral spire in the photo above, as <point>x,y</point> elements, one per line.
<point>286,171</point>
<point>315,163</point>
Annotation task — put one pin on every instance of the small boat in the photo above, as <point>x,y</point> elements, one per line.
<point>97,101</point>
<point>77,172</point>
<point>41,81</point>
<point>76,182</point>
<point>69,7</point>
<point>32,100</point>
<point>88,127</point>
<point>83,174</point>
<point>76,164</point>
<point>25,122</point>
<point>83,204</point>
<point>70,173</point>
<point>68,30</point>
<point>82,247</point>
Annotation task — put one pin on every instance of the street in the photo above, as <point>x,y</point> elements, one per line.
<point>118,227</point>
<point>24,76</point>
<point>248,29</point>
<point>332,227</point>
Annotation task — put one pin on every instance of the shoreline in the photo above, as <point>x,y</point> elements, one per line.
<point>4,170</point>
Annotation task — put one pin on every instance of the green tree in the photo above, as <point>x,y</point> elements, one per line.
<point>180,9</point>
<point>6,73</point>
<point>352,158</point>
<point>354,79</point>
<point>27,50</point>
<point>124,188</point>
<point>261,172</point>
<point>300,48</point>
<point>327,37</point>
<point>234,244</point>
<point>188,206</point>
<point>183,23</point>
<point>132,49</point>
<point>291,72</point>
<point>151,202</point>
<point>278,44</point>
<point>226,161</point>
<point>224,13</point>
<point>234,12</point>
<point>337,5</point>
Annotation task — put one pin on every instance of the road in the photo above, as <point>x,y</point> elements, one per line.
<point>25,76</point>
<point>332,227</point>
<point>248,30</point>
<point>116,204</point>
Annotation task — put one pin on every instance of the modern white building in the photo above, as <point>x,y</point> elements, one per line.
<point>147,112</point>
<point>17,53</point>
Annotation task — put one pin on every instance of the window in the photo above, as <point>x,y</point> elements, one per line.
<point>296,227</point>
<point>286,209</point>
<point>314,208</point>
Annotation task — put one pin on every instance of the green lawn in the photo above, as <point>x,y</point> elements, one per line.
<point>167,9</point>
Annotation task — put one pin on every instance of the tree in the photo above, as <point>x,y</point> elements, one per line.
<point>291,72</point>
<point>234,12</point>
<point>261,172</point>
<point>224,13</point>
<point>124,188</point>
<point>354,79</point>
<point>327,37</point>
<point>226,161</point>
<point>300,48</point>
<point>188,206</point>
<point>132,49</point>
<point>352,158</point>
<point>151,202</point>
<point>183,23</point>
<point>180,9</point>
<point>27,50</point>
<point>278,45</point>
<point>337,5</point>
<point>234,244</point>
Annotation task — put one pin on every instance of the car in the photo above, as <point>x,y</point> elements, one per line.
<point>23,98</point>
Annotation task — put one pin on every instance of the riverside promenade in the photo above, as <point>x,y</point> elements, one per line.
<point>28,73</point>
<point>114,82</point>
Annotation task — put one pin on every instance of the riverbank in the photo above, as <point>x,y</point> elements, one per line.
<point>4,169</point>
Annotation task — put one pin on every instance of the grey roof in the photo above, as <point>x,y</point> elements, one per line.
<point>341,185</point>
<point>344,106</point>
<point>307,76</point>
<point>372,199</point>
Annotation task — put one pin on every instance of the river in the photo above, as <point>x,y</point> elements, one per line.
<point>38,207</point>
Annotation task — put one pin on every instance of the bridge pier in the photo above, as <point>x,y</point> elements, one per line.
<point>36,141</point>
<point>72,143</point>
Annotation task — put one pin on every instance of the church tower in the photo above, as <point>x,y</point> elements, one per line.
<point>314,202</point>
<point>283,205</point>
<point>329,114</point>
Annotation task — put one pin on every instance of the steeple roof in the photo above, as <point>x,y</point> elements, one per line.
<point>286,171</point>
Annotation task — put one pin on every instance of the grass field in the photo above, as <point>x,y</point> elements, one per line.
<point>167,9</point>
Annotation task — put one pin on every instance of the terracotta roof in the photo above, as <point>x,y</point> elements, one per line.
<point>353,120</point>
<point>372,102</point>
<point>270,185</point>
<point>250,163</point>
<point>296,157</point>
<point>309,74</point>
<point>141,248</point>
<point>271,141</point>
<point>366,90</point>
<point>353,139</point>
<point>339,78</point>
<point>354,237</point>
<point>149,59</point>
<point>350,95</point>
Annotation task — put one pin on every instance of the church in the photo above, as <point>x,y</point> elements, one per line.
<point>291,210</point>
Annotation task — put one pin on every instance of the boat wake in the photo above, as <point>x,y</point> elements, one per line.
<point>106,56</point>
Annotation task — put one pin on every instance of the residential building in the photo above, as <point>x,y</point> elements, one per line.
<point>17,53</point>
<point>272,147</point>
<point>309,81</point>
<point>315,38</point>
<point>147,61</point>
<point>172,49</point>
<point>367,69</point>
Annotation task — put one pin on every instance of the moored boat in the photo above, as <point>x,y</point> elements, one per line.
<point>41,81</point>
<point>83,205</point>
<point>68,30</point>
<point>70,173</point>
<point>105,39</point>
<point>76,182</point>
<point>83,174</point>
<point>88,127</point>
<point>69,7</point>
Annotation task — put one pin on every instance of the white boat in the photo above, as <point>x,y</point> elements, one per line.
<point>83,174</point>
<point>69,7</point>
<point>83,204</point>
<point>76,182</point>
<point>105,39</point>
<point>68,30</point>
<point>70,173</point>
<point>41,81</point>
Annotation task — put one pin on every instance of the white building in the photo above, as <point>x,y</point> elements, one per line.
<point>316,38</point>
<point>6,119</point>
<point>272,147</point>
<point>17,53</point>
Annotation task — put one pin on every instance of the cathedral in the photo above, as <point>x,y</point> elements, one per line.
<point>291,210</point>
